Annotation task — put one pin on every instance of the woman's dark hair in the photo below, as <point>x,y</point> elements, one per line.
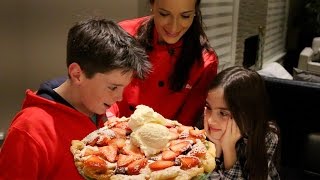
<point>100,45</point>
<point>195,41</point>
<point>247,99</point>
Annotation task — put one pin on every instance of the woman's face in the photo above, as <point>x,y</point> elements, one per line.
<point>173,18</point>
<point>216,114</point>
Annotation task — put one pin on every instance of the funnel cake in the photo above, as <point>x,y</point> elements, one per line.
<point>144,146</point>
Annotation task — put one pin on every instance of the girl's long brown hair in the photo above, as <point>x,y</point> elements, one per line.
<point>247,99</point>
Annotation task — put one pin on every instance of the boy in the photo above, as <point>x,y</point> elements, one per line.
<point>101,61</point>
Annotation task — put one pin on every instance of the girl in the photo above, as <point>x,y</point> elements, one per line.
<point>183,62</point>
<point>236,119</point>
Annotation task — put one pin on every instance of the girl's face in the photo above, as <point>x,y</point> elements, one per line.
<point>173,18</point>
<point>216,114</point>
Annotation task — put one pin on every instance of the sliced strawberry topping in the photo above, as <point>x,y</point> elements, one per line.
<point>89,151</point>
<point>104,142</point>
<point>198,149</point>
<point>96,163</point>
<point>118,142</point>
<point>190,139</point>
<point>159,165</point>
<point>93,142</point>
<point>109,153</point>
<point>135,166</point>
<point>184,128</point>
<point>181,147</point>
<point>132,150</point>
<point>177,141</point>
<point>169,155</point>
<point>124,160</point>
<point>111,122</point>
<point>188,162</point>
<point>198,133</point>
<point>123,125</point>
<point>119,132</point>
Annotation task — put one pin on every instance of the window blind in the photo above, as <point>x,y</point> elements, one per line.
<point>275,31</point>
<point>220,19</point>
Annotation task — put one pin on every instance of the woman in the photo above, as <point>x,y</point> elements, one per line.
<point>183,62</point>
<point>237,120</point>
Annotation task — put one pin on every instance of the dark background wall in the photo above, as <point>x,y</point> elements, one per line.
<point>300,32</point>
<point>33,39</point>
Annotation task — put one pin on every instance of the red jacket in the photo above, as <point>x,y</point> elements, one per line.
<point>184,105</point>
<point>38,142</point>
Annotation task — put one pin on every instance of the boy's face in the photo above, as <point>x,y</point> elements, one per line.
<point>102,90</point>
<point>216,114</point>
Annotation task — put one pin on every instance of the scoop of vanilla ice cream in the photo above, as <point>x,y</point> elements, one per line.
<point>144,114</point>
<point>151,138</point>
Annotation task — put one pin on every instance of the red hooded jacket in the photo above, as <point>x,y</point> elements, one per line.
<point>185,105</point>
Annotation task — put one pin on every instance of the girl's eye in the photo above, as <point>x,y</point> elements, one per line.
<point>112,88</point>
<point>224,114</point>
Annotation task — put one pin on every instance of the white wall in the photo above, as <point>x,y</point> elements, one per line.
<point>33,38</point>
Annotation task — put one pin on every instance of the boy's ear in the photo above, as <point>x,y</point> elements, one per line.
<point>75,72</point>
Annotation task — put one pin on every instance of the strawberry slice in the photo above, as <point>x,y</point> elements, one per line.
<point>135,166</point>
<point>95,163</point>
<point>109,153</point>
<point>89,151</point>
<point>198,133</point>
<point>177,141</point>
<point>104,142</point>
<point>132,150</point>
<point>124,160</point>
<point>159,165</point>
<point>111,122</point>
<point>123,125</point>
<point>180,147</point>
<point>173,142</point>
<point>198,149</point>
<point>190,139</point>
<point>169,155</point>
<point>119,132</point>
<point>93,142</point>
<point>184,128</point>
<point>118,142</point>
<point>188,162</point>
